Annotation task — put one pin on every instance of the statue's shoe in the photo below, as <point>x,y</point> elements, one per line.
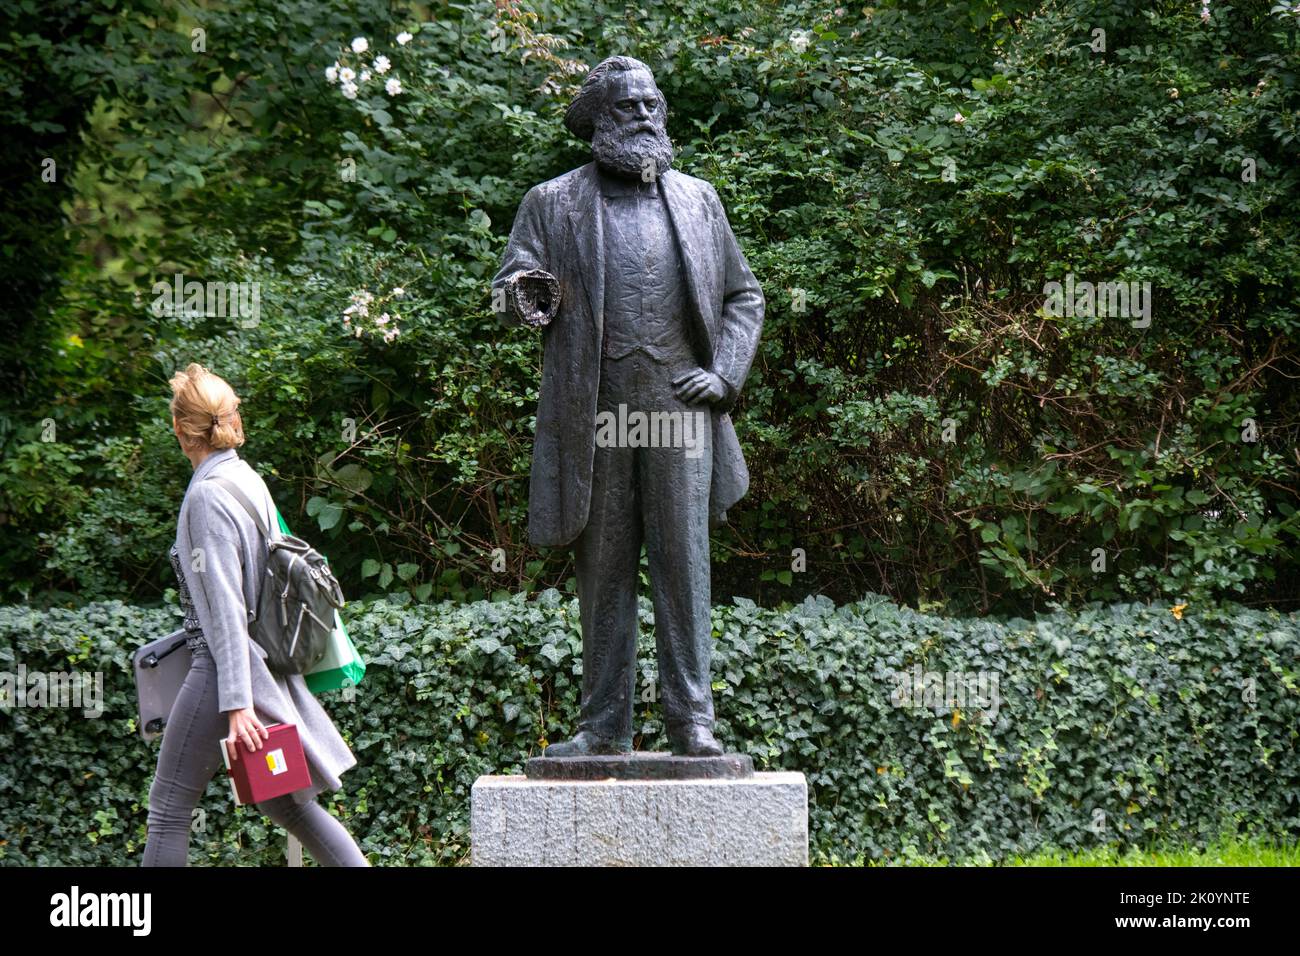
<point>585,744</point>
<point>694,741</point>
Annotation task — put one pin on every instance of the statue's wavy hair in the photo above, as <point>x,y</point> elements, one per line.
<point>580,117</point>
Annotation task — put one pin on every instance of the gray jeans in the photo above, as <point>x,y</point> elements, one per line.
<point>189,757</point>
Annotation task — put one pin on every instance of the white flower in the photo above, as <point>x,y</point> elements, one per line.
<point>798,41</point>
<point>346,74</point>
<point>349,91</point>
<point>365,75</point>
<point>393,86</point>
<point>360,45</point>
<point>358,331</point>
<point>382,320</point>
<point>958,118</point>
<point>382,64</point>
<point>332,73</point>
<point>403,38</point>
<point>398,291</point>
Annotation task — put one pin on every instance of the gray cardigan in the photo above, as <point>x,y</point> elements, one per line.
<point>223,576</point>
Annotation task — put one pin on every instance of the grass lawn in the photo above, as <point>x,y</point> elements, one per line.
<point>1228,853</point>
<point>1224,853</point>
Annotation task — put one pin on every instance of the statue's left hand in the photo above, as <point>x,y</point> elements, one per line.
<point>698,386</point>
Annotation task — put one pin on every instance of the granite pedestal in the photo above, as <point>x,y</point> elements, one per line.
<point>640,810</point>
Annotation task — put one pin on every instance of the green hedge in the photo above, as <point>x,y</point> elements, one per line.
<point>1130,711</point>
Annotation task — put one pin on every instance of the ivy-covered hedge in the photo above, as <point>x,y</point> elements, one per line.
<point>1113,725</point>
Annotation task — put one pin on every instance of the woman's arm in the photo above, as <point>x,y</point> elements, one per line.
<point>215,578</point>
<point>214,573</point>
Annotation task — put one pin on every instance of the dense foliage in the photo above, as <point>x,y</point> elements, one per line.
<point>905,179</point>
<point>1121,725</point>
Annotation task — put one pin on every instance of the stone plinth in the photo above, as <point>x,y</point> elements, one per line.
<point>756,820</point>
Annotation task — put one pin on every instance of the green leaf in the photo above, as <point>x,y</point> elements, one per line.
<point>329,515</point>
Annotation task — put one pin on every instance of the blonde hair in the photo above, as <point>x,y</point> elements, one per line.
<point>207,409</point>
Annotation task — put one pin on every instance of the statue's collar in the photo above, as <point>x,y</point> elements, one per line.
<point>612,184</point>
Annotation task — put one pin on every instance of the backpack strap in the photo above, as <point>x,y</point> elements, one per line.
<point>242,498</point>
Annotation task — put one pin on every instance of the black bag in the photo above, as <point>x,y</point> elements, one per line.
<point>297,600</point>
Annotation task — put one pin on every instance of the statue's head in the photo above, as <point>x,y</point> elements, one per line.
<point>621,112</point>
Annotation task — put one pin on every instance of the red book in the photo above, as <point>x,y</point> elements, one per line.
<point>278,768</point>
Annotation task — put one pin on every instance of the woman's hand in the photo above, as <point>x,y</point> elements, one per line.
<point>245,726</point>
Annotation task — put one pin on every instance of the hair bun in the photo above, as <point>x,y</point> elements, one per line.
<point>202,401</point>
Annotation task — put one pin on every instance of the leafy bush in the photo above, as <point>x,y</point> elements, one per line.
<point>905,179</point>
<point>1116,726</point>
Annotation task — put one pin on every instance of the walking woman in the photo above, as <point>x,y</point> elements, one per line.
<point>220,561</point>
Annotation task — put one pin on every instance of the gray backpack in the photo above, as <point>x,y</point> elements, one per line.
<point>297,600</point>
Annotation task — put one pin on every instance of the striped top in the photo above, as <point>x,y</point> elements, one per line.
<point>193,632</point>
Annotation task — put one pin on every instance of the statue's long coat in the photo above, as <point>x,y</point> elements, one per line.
<point>558,228</point>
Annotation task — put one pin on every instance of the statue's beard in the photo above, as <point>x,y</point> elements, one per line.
<point>631,150</point>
